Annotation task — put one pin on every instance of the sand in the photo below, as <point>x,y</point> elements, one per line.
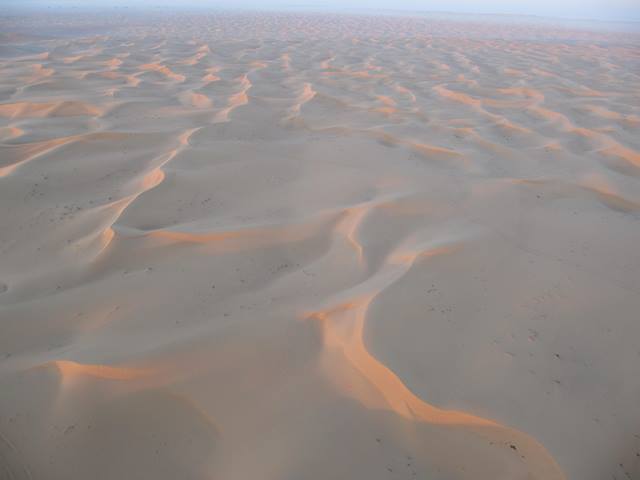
<point>304,246</point>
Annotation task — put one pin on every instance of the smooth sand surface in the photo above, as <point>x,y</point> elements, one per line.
<point>303,246</point>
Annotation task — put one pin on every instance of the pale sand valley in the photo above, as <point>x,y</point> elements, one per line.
<point>313,246</point>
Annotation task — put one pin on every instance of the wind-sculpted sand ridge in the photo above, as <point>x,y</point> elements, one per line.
<point>62,109</point>
<point>343,326</point>
<point>317,246</point>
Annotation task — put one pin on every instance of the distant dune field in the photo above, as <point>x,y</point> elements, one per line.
<point>313,246</point>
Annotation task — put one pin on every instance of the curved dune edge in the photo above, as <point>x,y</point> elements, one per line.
<point>427,151</point>
<point>343,221</point>
<point>164,70</point>
<point>69,370</point>
<point>67,108</point>
<point>306,95</point>
<point>149,180</point>
<point>237,99</point>
<point>32,151</point>
<point>342,325</point>
<point>96,240</point>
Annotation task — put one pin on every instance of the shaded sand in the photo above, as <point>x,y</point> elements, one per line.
<point>286,246</point>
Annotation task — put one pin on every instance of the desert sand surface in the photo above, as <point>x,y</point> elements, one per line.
<point>310,246</point>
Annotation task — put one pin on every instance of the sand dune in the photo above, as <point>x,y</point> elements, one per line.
<point>316,246</point>
<point>61,109</point>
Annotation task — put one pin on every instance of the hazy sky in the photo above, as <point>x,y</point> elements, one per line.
<point>594,9</point>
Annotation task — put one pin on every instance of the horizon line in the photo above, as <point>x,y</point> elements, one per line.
<point>39,4</point>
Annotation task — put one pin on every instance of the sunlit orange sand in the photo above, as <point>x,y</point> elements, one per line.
<point>313,246</point>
